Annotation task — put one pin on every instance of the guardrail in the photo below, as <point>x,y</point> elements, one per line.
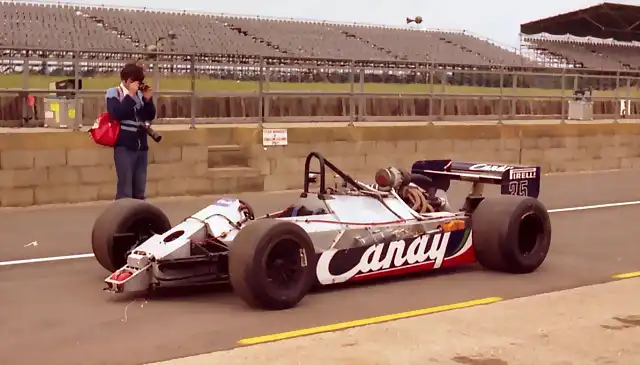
<point>355,88</point>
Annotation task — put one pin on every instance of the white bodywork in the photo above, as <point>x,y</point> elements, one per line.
<point>223,220</point>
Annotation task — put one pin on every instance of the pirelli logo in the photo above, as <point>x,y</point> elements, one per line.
<point>519,174</point>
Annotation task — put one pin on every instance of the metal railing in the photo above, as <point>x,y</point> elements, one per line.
<point>430,82</point>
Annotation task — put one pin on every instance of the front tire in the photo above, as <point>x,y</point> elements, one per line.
<point>125,224</point>
<point>272,264</point>
<point>511,233</point>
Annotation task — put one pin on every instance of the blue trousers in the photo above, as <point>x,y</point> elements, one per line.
<point>131,171</point>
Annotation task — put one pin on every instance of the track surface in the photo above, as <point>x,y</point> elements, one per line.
<point>55,312</point>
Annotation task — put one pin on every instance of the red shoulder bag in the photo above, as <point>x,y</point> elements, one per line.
<point>105,131</point>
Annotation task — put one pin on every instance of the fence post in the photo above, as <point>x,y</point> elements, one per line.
<point>501,97</point>
<point>23,95</point>
<point>431,77</point>
<point>616,98</point>
<point>265,92</point>
<point>443,90</point>
<point>261,94</point>
<point>514,99</point>
<point>352,86</point>
<point>628,92</point>
<point>194,98</point>
<point>25,72</point>
<point>563,82</point>
<point>76,86</point>
<point>156,76</point>
<point>362,108</point>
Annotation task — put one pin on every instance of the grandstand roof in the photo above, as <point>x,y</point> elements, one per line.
<point>607,20</point>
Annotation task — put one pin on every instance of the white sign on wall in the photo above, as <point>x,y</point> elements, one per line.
<point>274,137</point>
<point>625,107</point>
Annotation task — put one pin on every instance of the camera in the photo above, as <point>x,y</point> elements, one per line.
<point>143,87</point>
<point>153,134</point>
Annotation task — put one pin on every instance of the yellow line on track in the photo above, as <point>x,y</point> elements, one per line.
<point>366,321</point>
<point>627,275</point>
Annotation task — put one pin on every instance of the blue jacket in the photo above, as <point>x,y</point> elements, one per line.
<point>131,112</point>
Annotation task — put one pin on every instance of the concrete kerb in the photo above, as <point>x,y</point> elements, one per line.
<point>597,324</point>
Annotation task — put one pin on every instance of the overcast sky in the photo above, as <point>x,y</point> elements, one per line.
<point>495,19</point>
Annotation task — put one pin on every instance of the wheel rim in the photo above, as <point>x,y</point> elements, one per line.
<point>530,233</point>
<point>142,231</point>
<point>282,265</point>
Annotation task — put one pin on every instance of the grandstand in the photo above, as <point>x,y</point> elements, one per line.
<point>59,26</point>
<point>53,34</point>
<point>604,36</point>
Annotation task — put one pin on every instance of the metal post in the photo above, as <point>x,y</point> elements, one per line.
<point>25,72</point>
<point>76,88</point>
<point>156,69</point>
<point>514,100</point>
<point>261,94</point>
<point>156,78</point>
<point>431,91</point>
<point>362,109</point>
<point>265,92</point>
<point>443,89</point>
<point>352,86</point>
<point>193,92</point>
<point>628,102</point>
<point>501,97</point>
<point>24,96</point>
<point>563,81</point>
<point>616,98</point>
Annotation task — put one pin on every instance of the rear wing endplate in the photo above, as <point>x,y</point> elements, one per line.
<point>513,179</point>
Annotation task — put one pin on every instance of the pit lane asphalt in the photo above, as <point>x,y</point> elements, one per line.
<point>55,312</point>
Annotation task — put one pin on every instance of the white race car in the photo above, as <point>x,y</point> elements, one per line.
<point>400,224</point>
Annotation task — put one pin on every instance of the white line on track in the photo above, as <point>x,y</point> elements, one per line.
<point>46,259</point>
<point>89,255</point>
<point>597,206</point>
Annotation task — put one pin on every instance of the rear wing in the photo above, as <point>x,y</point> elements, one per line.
<point>513,179</point>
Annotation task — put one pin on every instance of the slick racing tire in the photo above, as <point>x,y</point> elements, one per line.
<point>125,224</point>
<point>272,264</point>
<point>511,233</point>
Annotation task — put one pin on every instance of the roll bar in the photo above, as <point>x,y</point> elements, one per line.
<point>324,164</point>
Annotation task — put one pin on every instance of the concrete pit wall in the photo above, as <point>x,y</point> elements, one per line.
<point>43,167</point>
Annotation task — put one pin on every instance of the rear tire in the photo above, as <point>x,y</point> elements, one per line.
<point>125,216</point>
<point>511,233</point>
<point>272,264</point>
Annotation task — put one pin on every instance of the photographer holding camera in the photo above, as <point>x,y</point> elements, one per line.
<point>131,104</point>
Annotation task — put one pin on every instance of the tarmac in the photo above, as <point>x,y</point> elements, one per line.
<point>598,324</point>
<point>54,311</point>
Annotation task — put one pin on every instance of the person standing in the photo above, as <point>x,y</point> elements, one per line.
<point>132,106</point>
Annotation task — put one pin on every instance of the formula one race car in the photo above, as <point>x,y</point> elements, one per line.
<point>354,231</point>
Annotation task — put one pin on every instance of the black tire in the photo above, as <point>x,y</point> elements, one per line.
<point>250,259</point>
<point>121,217</point>
<point>511,233</point>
